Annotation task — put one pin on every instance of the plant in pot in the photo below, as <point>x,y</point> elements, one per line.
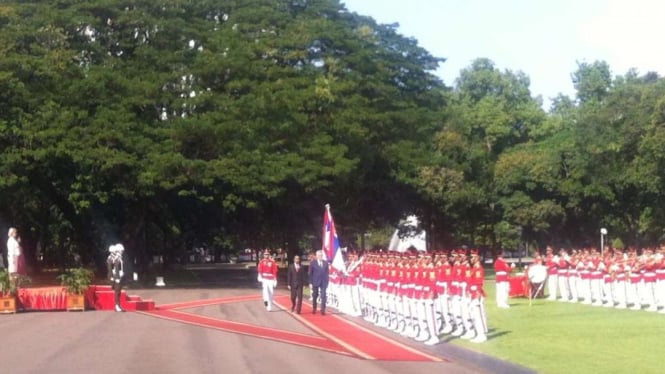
<point>76,281</point>
<point>9,286</point>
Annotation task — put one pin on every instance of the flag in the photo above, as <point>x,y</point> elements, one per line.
<point>330,247</point>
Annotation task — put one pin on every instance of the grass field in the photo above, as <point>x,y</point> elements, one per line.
<point>557,337</point>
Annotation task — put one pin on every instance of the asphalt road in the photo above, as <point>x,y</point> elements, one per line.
<point>110,342</point>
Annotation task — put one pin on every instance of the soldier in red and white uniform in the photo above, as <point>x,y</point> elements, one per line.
<point>659,265</point>
<point>634,272</point>
<point>444,276</point>
<point>387,285</point>
<point>421,296</point>
<point>397,305</point>
<point>502,270</point>
<point>386,267</point>
<point>551,262</point>
<point>350,293</point>
<point>368,287</point>
<point>573,277</point>
<point>649,279</point>
<point>477,300</point>
<point>267,275</point>
<point>562,274</point>
<point>430,297</point>
<point>408,288</point>
<point>584,268</point>
<point>466,299</point>
<point>457,291</point>
<point>619,275</point>
<point>609,273</point>
<point>390,294</point>
<point>597,268</point>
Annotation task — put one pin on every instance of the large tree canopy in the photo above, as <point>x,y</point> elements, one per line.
<point>176,121</point>
<point>173,124</point>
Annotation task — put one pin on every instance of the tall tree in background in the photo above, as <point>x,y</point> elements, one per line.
<point>167,123</point>
<point>489,112</point>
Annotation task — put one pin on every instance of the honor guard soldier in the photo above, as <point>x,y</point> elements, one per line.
<point>267,275</point>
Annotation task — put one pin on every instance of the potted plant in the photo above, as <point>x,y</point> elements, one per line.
<point>76,281</point>
<point>9,285</point>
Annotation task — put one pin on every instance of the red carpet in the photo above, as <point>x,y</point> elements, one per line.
<point>206,302</point>
<point>357,339</point>
<point>283,336</point>
<point>337,335</point>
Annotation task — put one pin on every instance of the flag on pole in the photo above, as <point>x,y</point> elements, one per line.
<point>330,247</point>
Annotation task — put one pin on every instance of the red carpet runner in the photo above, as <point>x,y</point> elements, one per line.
<point>357,339</point>
<point>337,335</point>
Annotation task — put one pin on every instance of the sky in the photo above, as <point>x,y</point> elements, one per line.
<point>545,39</point>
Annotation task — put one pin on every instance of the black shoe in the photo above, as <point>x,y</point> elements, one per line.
<point>314,311</point>
<point>323,312</point>
<point>265,303</point>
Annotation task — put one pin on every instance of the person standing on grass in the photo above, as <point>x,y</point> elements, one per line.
<point>296,278</point>
<point>502,269</point>
<point>562,274</point>
<point>552,264</point>
<point>477,296</point>
<point>267,275</point>
<point>318,279</point>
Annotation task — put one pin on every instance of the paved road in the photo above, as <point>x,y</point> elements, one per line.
<point>109,342</point>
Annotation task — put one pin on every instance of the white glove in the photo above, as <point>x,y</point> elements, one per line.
<point>512,265</point>
<point>258,278</point>
<point>121,273</point>
<point>274,283</point>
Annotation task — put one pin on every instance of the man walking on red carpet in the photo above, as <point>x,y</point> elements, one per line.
<point>267,275</point>
<point>318,281</point>
<point>296,282</point>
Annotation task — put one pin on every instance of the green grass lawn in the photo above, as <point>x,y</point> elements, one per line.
<point>557,337</point>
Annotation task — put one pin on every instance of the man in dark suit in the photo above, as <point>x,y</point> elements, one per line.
<point>318,281</point>
<point>296,281</point>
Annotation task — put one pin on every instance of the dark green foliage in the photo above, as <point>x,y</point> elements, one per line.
<point>167,124</point>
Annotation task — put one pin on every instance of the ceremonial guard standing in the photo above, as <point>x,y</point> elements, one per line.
<point>562,274</point>
<point>659,265</point>
<point>649,296</point>
<point>477,295</point>
<point>267,275</point>
<point>596,278</point>
<point>551,262</point>
<point>116,272</point>
<point>430,300</point>
<point>502,269</point>
<point>608,279</point>
<point>352,282</point>
<point>444,276</point>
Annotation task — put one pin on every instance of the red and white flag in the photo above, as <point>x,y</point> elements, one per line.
<point>330,247</point>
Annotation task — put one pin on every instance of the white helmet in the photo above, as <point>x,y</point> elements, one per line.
<point>112,249</point>
<point>119,248</point>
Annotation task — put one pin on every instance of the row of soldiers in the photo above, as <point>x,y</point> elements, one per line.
<point>615,278</point>
<point>418,295</point>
